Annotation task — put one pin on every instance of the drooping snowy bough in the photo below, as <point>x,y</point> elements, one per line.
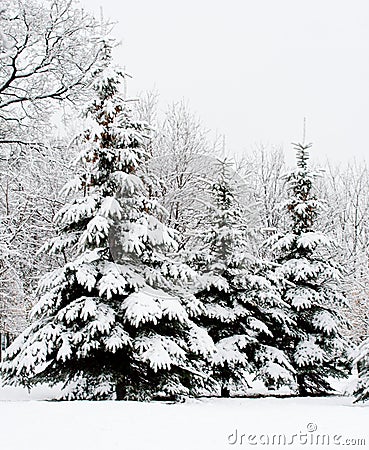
<point>115,321</point>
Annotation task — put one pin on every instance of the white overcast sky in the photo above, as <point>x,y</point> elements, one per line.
<point>253,69</point>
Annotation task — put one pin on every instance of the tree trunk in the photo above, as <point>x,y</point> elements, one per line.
<point>225,392</point>
<point>120,390</point>
<point>301,385</point>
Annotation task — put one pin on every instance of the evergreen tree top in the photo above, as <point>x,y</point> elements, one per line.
<point>302,155</point>
<point>221,188</point>
<point>303,204</point>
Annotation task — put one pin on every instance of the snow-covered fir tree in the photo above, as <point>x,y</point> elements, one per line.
<point>310,285</point>
<point>242,302</point>
<point>361,363</point>
<point>115,321</point>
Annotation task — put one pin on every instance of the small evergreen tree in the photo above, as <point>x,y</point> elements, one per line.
<point>242,303</point>
<point>361,363</point>
<point>115,320</point>
<point>310,285</point>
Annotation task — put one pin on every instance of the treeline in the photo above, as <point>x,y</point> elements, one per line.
<point>170,268</point>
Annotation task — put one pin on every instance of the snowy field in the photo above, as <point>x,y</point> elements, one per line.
<point>32,421</point>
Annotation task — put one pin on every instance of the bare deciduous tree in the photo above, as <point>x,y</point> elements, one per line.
<point>48,52</point>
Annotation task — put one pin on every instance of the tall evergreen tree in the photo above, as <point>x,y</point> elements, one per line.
<point>310,285</point>
<point>242,303</point>
<point>115,319</point>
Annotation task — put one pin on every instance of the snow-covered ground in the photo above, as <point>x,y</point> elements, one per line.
<point>30,422</point>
